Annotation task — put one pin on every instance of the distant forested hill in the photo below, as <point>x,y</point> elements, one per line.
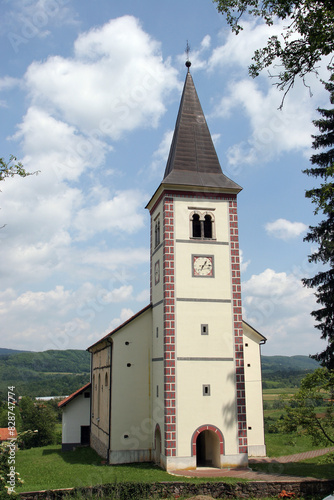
<point>48,373</point>
<point>279,363</point>
<point>59,373</point>
<point>285,371</point>
<point>5,352</point>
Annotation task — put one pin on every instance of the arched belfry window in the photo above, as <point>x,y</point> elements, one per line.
<point>196,226</point>
<point>207,226</point>
<point>202,225</point>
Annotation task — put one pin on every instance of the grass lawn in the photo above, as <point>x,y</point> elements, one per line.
<point>313,467</point>
<point>279,445</point>
<point>50,468</point>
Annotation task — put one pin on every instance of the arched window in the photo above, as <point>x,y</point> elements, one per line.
<point>196,226</point>
<point>208,226</point>
<point>99,398</point>
<point>202,225</point>
<point>157,233</point>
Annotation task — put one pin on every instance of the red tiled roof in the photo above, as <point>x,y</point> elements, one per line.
<point>7,434</point>
<point>72,396</point>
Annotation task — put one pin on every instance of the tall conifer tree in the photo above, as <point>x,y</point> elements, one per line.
<point>323,233</point>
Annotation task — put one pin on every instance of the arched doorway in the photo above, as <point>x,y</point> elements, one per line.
<point>157,442</point>
<point>207,449</point>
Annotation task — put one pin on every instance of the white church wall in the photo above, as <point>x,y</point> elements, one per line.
<point>131,427</point>
<point>217,409</point>
<point>218,339</point>
<point>254,400</point>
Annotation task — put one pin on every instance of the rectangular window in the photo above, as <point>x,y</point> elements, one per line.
<point>204,329</point>
<point>157,391</point>
<point>157,332</point>
<point>206,390</point>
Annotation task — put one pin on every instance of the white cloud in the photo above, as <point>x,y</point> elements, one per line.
<point>197,56</point>
<point>239,49</point>
<point>243,264</point>
<point>124,316</point>
<point>120,213</point>
<point>279,307</point>
<point>31,19</point>
<point>8,82</point>
<point>160,156</point>
<point>273,131</point>
<point>284,229</point>
<point>115,82</point>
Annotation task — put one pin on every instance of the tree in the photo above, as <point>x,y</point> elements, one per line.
<point>323,233</point>
<point>308,36</point>
<point>11,168</point>
<point>38,417</point>
<point>310,410</point>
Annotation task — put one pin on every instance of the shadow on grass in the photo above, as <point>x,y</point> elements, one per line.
<point>81,455</point>
<point>301,469</point>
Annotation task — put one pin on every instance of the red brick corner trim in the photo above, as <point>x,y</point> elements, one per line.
<point>207,428</point>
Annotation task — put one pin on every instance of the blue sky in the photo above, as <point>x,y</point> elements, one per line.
<point>89,93</point>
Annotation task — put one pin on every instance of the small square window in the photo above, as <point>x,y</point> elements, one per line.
<point>86,394</point>
<point>206,390</point>
<point>246,345</point>
<point>204,329</point>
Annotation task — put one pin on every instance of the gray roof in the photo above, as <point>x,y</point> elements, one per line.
<point>193,160</point>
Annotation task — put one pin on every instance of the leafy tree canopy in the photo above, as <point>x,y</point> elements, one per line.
<point>310,410</point>
<point>307,37</point>
<point>11,168</point>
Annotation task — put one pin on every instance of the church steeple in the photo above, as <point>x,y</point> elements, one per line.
<point>193,160</point>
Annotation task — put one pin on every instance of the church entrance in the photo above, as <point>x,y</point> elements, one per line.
<point>207,449</point>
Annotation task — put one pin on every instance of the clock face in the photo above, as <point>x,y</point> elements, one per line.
<point>157,272</point>
<point>203,265</point>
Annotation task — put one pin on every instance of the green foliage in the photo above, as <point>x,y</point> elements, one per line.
<point>9,477</point>
<point>4,417</point>
<point>38,417</point>
<point>69,361</point>
<point>307,36</point>
<point>310,411</point>
<point>322,234</point>
<point>48,373</point>
<point>11,168</point>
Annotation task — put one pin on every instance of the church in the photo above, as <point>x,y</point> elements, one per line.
<point>179,383</point>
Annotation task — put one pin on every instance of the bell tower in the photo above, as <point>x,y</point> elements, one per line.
<point>198,386</point>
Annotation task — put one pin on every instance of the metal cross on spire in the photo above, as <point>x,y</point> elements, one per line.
<point>188,63</point>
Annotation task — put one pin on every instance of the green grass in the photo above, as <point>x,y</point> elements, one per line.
<point>50,468</point>
<point>313,467</point>
<point>270,393</point>
<point>279,445</point>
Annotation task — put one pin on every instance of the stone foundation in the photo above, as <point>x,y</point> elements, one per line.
<point>254,489</point>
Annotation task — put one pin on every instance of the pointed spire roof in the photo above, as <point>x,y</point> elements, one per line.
<point>193,160</point>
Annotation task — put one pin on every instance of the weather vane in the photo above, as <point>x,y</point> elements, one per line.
<point>188,63</point>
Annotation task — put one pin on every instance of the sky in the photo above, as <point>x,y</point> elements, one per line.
<point>89,94</point>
